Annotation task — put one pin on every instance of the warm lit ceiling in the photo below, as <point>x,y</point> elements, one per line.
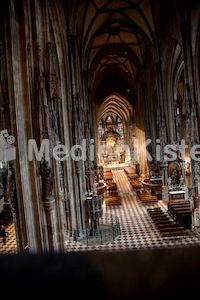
<point>118,105</point>
<point>114,39</point>
<point>113,35</point>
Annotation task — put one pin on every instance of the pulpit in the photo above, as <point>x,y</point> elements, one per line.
<point>94,211</point>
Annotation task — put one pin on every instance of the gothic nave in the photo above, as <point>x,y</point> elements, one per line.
<point>137,229</point>
<point>99,126</point>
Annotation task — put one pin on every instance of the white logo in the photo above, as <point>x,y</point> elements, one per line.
<point>7,151</point>
<point>78,152</point>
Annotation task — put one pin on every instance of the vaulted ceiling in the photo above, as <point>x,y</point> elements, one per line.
<point>118,105</point>
<point>113,35</point>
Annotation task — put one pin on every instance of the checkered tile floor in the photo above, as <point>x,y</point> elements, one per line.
<point>10,246</point>
<point>137,228</point>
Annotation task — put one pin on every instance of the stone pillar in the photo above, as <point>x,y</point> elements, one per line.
<point>49,208</point>
<point>82,191</point>
<point>49,204</point>
<point>59,204</point>
<point>79,132</point>
<point>196,197</point>
<point>183,174</point>
<point>20,107</point>
<point>16,221</point>
<point>165,190</point>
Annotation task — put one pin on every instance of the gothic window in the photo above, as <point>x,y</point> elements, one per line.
<point>109,120</point>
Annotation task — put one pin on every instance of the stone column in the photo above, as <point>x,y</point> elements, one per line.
<point>78,134</point>
<point>165,190</point>
<point>49,204</point>
<point>183,174</point>
<point>196,197</point>
<point>82,191</point>
<point>16,221</point>
<point>12,194</point>
<point>49,208</point>
<point>20,105</point>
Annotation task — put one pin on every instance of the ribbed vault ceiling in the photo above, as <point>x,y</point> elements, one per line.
<point>113,35</point>
<point>118,105</point>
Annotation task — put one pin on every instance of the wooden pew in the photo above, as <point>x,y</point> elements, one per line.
<point>165,225</point>
<point>181,211</point>
<point>113,200</point>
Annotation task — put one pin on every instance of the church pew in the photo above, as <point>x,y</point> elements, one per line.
<point>108,176</point>
<point>146,198</point>
<point>162,222</point>
<point>113,194</point>
<point>112,186</point>
<point>174,233</point>
<point>182,212</point>
<point>158,216</point>
<point>154,209</point>
<point>157,213</point>
<point>131,173</point>
<point>178,207</point>
<point>171,228</point>
<point>112,201</point>
<point>185,218</point>
<point>161,218</point>
<point>157,192</point>
<point>137,186</point>
<point>133,176</point>
<point>165,225</point>
<point>130,170</point>
<point>178,203</point>
<point>154,212</point>
<point>108,181</point>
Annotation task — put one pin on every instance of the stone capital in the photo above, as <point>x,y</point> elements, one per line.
<point>49,204</point>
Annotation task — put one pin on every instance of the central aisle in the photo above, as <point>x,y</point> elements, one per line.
<point>137,229</point>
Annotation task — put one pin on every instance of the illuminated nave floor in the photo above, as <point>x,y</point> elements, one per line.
<point>137,229</point>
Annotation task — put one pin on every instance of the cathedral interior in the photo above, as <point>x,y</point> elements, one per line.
<point>99,128</point>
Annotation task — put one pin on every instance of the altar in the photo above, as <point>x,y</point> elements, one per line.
<point>157,180</point>
<point>176,195</point>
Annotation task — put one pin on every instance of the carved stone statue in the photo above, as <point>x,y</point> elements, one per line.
<point>101,172</point>
<point>181,180</point>
<point>95,185</point>
<point>169,181</point>
<point>47,179</point>
<point>196,169</point>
